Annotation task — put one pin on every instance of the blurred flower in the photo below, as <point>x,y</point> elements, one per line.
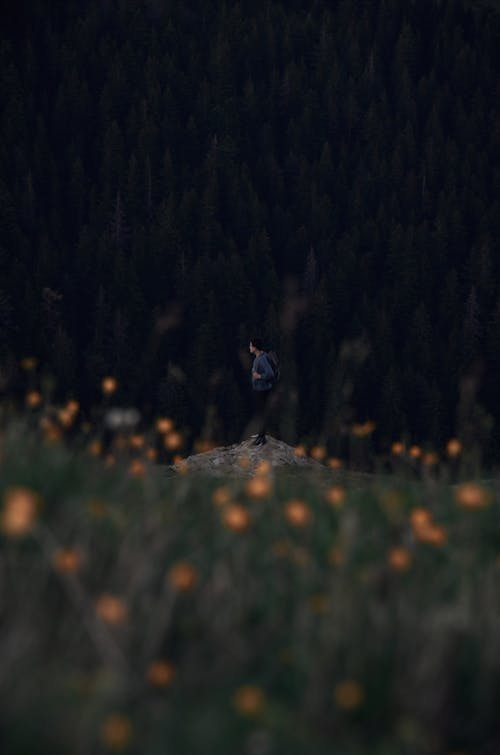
<point>33,399</point>
<point>182,576</point>
<point>281,548</point>
<point>66,418</point>
<point>430,459</point>
<point>160,673</point>
<point>300,451</point>
<point>471,495</point>
<point>111,609</point>
<point>164,425</point>
<point>258,487</point>
<point>415,452</point>
<point>173,440</point>
<point>399,558</point>
<point>95,447</point>
<point>137,468</point>
<point>19,512</point>
<point>425,529</point>
<point>336,556</point>
<point>67,561</point>
<point>151,453</point>
<point>397,448</point>
<point>181,462</point>
<point>298,513</point>
<point>335,495</point>
<point>97,509</point>
<point>118,418</point>
<point>109,461</point>
<point>51,432</point>
<point>236,518</point>
<point>109,385</point>
<point>453,448</point>
<point>116,732</point>
<point>349,694</point>
<point>335,463</point>
<point>136,441</point>
<point>73,407</point>
<point>221,495</point>
<point>319,604</point>
<point>362,430</point>
<point>420,519</point>
<point>263,467</point>
<point>318,453</point>
<point>29,363</point>
<point>249,700</point>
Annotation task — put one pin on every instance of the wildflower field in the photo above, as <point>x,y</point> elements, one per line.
<point>151,612</point>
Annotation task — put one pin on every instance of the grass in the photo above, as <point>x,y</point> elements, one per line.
<point>148,613</point>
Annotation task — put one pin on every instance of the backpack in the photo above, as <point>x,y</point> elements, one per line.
<point>273,360</point>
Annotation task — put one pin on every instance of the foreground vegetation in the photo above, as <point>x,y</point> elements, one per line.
<point>147,613</point>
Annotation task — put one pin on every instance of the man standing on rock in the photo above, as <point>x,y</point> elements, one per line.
<point>262,384</point>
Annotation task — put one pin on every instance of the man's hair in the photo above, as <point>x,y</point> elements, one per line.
<point>258,343</point>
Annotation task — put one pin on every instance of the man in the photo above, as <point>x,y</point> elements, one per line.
<point>262,383</point>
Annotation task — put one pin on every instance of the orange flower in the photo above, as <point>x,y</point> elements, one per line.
<point>335,463</point>
<point>420,519</point>
<point>73,406</point>
<point>236,518</point>
<point>111,609</point>
<point>33,399</point>
<point>472,496</point>
<point>19,512</point>
<point>173,440</point>
<point>249,700</point>
<point>221,495</point>
<point>336,556</point>
<point>258,487</point>
<point>67,561</point>
<point>430,459</point>
<point>137,468</point>
<point>160,673</point>
<point>433,535</point>
<point>349,694</point>
<point>116,732</point>
<point>263,467</point>
<point>298,513</point>
<point>164,425</point>
<point>29,363</point>
<point>453,448</point>
<point>66,418</point>
<point>95,448</point>
<point>182,576</point>
<point>300,451</point>
<point>415,452</point>
<point>335,496</point>
<point>136,441</point>
<point>109,385</point>
<point>397,448</point>
<point>318,453</point>
<point>152,453</point>
<point>399,558</point>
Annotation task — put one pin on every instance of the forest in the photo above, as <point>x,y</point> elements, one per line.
<point>177,177</point>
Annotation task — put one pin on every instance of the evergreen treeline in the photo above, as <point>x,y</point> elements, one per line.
<point>176,176</point>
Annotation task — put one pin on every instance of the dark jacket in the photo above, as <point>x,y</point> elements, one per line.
<point>262,365</point>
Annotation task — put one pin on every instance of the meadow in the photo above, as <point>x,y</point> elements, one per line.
<point>150,612</point>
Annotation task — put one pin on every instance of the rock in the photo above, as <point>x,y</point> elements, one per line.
<point>240,459</point>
